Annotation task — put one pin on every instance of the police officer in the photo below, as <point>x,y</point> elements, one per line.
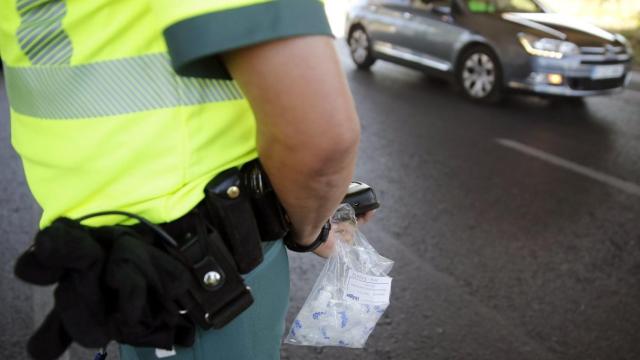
<point>135,105</point>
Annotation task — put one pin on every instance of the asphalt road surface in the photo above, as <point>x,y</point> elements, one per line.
<point>515,229</point>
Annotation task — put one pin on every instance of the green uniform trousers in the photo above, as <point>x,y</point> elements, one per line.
<point>254,335</point>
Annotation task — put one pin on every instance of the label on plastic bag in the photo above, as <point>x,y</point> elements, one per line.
<point>367,289</point>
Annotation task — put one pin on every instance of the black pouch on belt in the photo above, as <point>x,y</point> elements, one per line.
<point>229,204</point>
<point>218,294</point>
<point>270,215</point>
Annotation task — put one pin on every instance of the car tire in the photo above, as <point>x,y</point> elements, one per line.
<point>479,75</point>
<point>360,48</point>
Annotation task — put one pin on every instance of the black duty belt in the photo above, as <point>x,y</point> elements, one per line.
<point>147,284</point>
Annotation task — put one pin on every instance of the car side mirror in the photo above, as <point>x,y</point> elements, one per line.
<point>442,10</point>
<point>444,13</point>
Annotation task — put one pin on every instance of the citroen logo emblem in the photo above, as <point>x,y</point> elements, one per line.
<point>611,50</point>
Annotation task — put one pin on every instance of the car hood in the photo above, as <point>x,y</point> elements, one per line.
<point>563,27</point>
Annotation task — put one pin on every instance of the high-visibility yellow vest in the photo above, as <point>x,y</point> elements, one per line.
<point>101,119</point>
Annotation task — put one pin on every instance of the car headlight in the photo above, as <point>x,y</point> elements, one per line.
<point>625,42</point>
<point>546,47</point>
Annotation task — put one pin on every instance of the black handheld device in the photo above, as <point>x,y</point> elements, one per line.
<point>361,197</point>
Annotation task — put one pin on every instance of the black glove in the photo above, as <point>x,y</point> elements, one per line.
<point>65,252</point>
<point>50,340</point>
<point>64,245</point>
<point>112,285</point>
<point>145,282</point>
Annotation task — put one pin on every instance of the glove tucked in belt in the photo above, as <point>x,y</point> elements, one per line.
<point>142,286</point>
<point>107,289</point>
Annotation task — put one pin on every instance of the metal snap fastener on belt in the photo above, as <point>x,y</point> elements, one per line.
<point>233,192</point>
<point>208,318</point>
<point>212,278</point>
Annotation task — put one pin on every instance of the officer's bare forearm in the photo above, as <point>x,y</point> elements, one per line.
<point>310,182</point>
<point>308,130</point>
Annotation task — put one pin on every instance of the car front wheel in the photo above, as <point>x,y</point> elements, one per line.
<point>360,48</point>
<point>479,75</point>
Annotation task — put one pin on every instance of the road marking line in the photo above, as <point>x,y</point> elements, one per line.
<point>623,185</point>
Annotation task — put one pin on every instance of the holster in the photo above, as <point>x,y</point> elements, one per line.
<point>218,293</point>
<point>270,216</point>
<point>240,210</point>
<point>229,205</point>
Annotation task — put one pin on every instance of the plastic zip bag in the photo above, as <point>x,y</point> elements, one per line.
<point>350,295</point>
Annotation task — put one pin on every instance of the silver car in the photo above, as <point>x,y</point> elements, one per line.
<point>489,47</point>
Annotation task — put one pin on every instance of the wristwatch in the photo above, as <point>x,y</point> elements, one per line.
<point>321,239</point>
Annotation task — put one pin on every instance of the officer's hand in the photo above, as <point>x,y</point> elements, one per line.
<point>366,217</point>
<point>344,231</point>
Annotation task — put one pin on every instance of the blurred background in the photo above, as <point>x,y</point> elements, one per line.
<point>616,15</point>
<point>515,226</point>
<point>610,14</point>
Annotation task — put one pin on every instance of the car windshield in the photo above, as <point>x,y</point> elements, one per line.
<point>502,6</point>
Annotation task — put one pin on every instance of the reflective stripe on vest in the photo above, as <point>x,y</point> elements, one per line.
<point>110,88</point>
<point>41,35</point>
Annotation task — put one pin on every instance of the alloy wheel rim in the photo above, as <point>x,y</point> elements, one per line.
<point>359,45</point>
<point>478,75</point>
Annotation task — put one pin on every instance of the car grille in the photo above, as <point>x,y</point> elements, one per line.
<point>590,84</point>
<point>608,54</point>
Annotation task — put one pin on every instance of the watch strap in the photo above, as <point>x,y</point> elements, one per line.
<point>321,239</point>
